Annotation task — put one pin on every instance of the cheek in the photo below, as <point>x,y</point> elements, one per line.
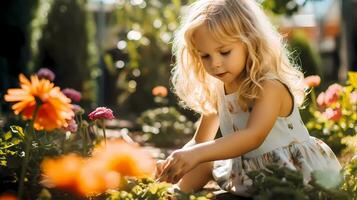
<point>206,66</point>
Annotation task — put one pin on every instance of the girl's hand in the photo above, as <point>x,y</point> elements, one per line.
<point>178,164</point>
<point>160,165</point>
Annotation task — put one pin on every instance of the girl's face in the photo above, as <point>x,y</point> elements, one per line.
<point>225,61</point>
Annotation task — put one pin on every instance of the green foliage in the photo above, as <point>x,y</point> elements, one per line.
<point>12,147</point>
<point>166,126</point>
<point>306,56</point>
<point>147,55</point>
<point>43,144</point>
<point>10,143</point>
<point>148,189</point>
<point>350,183</point>
<point>351,145</point>
<point>39,20</point>
<point>286,184</point>
<point>287,7</point>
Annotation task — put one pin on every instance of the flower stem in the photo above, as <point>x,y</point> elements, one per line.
<point>83,135</point>
<point>105,137</point>
<point>28,144</point>
<point>313,98</point>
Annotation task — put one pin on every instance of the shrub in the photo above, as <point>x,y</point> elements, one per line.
<point>166,126</point>
<point>334,113</point>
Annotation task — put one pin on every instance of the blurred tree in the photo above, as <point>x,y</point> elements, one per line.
<point>307,57</point>
<point>349,17</point>
<point>142,56</point>
<point>15,16</point>
<point>286,7</point>
<point>67,46</point>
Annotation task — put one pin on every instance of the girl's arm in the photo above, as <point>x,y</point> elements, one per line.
<point>262,118</point>
<point>206,131</point>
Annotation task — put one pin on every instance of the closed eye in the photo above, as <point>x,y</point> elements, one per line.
<point>225,53</point>
<point>205,56</point>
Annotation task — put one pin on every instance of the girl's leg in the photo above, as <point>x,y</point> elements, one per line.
<point>196,178</point>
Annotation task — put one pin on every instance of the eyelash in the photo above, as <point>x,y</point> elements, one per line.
<point>226,53</point>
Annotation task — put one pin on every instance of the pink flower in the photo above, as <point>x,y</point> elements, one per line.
<point>45,73</point>
<point>73,94</point>
<point>333,114</point>
<point>72,126</point>
<point>321,100</point>
<point>332,94</point>
<point>77,109</point>
<point>312,81</point>
<point>101,113</point>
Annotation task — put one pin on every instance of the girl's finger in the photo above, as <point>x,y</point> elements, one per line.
<point>159,168</point>
<point>165,174</point>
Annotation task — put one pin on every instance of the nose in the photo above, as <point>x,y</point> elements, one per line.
<point>216,62</point>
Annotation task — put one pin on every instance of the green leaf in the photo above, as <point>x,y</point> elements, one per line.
<point>3,163</point>
<point>18,130</point>
<point>16,141</point>
<point>7,135</point>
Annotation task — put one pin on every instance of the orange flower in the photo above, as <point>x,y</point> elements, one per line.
<point>54,110</point>
<point>61,172</point>
<point>94,178</point>
<point>312,81</point>
<point>8,196</point>
<point>126,159</point>
<point>160,91</point>
<point>106,169</point>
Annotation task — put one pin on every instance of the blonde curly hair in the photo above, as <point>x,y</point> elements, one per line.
<point>231,21</point>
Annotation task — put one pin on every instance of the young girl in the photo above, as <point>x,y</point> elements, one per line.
<point>233,69</point>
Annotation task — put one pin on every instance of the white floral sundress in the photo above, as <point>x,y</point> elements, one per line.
<point>288,144</point>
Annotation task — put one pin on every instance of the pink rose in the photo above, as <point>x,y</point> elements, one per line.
<point>333,114</point>
<point>321,100</point>
<point>72,126</point>
<point>312,81</point>
<point>332,94</point>
<point>101,113</point>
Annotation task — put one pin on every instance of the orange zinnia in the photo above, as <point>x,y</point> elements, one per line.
<point>54,109</point>
<point>94,178</point>
<point>61,172</point>
<point>126,159</point>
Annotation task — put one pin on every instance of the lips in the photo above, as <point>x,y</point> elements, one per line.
<point>221,74</point>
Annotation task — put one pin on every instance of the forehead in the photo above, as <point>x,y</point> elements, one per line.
<point>204,41</point>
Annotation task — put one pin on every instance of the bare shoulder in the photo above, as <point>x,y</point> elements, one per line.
<point>273,88</point>
<point>277,93</point>
<point>267,107</point>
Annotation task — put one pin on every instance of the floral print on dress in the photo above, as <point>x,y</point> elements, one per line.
<point>230,107</point>
<point>293,156</point>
